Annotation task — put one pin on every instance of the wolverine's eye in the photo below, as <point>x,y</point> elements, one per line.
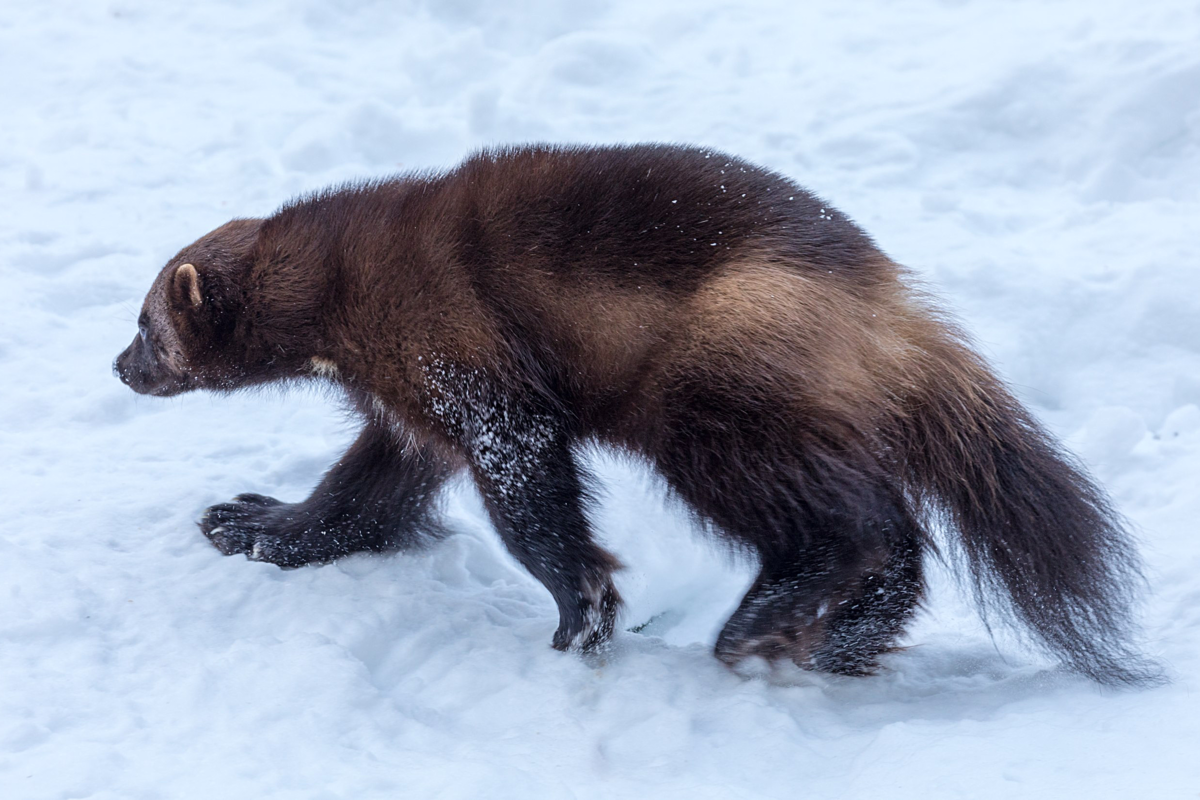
<point>143,331</point>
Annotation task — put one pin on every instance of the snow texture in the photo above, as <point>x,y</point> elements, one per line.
<point>1038,164</point>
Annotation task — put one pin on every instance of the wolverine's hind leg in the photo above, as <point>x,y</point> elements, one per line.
<point>840,551</point>
<point>868,620</point>
<point>825,613</point>
<point>379,497</point>
<point>835,605</point>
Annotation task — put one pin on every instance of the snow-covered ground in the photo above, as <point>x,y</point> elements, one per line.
<point>1038,163</point>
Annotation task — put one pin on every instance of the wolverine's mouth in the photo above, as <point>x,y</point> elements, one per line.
<point>149,380</point>
<point>169,388</point>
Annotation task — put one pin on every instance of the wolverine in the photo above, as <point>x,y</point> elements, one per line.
<point>792,385</point>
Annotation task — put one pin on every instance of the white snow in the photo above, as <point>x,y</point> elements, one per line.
<point>1037,163</point>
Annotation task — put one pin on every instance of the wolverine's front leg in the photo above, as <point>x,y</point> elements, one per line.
<point>534,492</point>
<point>378,497</point>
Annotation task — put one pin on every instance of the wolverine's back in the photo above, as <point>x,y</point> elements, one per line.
<point>601,268</point>
<point>641,214</point>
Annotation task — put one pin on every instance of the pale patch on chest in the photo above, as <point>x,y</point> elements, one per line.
<point>323,367</point>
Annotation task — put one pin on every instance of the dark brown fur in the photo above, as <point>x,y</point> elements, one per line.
<point>745,338</point>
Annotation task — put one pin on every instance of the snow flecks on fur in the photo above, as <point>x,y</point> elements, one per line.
<point>531,486</point>
<point>504,442</point>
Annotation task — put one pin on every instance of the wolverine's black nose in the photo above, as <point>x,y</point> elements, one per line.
<point>118,372</point>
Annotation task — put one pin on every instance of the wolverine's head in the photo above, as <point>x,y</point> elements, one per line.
<point>187,323</point>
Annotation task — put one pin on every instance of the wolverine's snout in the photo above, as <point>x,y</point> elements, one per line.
<point>133,374</point>
<point>140,370</point>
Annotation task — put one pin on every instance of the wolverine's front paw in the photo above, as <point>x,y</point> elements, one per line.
<point>586,622</point>
<point>251,524</point>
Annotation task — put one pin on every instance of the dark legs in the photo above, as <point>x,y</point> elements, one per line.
<point>378,497</point>
<point>840,550</point>
<point>535,493</point>
<point>520,455</point>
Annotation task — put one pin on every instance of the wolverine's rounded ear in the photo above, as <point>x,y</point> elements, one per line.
<point>186,283</point>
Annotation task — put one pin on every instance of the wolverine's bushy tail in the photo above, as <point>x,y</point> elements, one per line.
<point>1041,540</point>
